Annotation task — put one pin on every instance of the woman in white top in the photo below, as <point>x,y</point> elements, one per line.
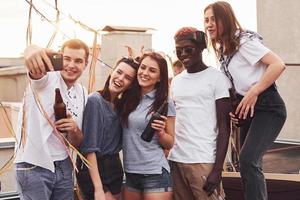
<point>253,70</point>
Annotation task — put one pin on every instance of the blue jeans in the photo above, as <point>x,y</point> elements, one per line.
<point>35,183</point>
<point>257,135</point>
<point>149,183</point>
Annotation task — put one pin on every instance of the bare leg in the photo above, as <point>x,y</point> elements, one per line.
<point>128,195</point>
<point>158,196</point>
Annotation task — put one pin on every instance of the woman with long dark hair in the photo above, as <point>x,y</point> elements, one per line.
<point>146,167</point>
<point>253,70</point>
<point>103,136</point>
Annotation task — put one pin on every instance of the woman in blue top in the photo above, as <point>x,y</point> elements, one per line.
<point>253,70</point>
<point>102,136</point>
<point>146,167</point>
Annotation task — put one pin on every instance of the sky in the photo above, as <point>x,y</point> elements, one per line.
<point>165,16</point>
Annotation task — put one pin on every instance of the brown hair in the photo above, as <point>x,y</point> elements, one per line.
<point>133,96</point>
<point>105,92</point>
<point>225,18</point>
<point>76,44</point>
<point>178,64</point>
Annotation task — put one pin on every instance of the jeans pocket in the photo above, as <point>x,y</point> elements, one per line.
<point>153,181</point>
<point>67,169</point>
<point>22,172</point>
<point>271,101</point>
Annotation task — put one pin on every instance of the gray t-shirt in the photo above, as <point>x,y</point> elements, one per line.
<point>139,156</point>
<point>101,127</point>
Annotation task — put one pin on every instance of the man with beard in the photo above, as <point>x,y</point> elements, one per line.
<point>202,126</point>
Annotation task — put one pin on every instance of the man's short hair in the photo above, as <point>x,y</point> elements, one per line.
<point>193,34</point>
<point>76,44</point>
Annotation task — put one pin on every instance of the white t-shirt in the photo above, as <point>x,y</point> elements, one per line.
<point>244,66</point>
<point>195,96</point>
<point>42,147</point>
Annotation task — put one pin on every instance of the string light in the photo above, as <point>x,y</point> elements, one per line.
<point>82,25</point>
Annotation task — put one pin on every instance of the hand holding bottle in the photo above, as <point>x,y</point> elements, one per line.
<point>67,125</point>
<point>159,125</point>
<point>149,131</point>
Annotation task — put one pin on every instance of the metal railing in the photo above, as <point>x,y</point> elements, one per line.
<point>9,196</point>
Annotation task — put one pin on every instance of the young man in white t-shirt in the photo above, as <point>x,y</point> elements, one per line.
<point>202,125</point>
<point>43,166</point>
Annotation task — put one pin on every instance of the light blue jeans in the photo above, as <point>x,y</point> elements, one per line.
<point>37,183</point>
<point>257,135</point>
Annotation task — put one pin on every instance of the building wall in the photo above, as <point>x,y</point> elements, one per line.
<point>7,143</point>
<point>7,179</point>
<point>9,112</point>
<point>112,49</point>
<point>13,81</point>
<point>289,88</point>
<point>278,23</point>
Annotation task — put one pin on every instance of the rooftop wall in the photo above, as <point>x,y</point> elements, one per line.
<point>278,23</point>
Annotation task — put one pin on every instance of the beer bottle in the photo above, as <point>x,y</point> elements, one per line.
<point>148,133</point>
<point>60,110</point>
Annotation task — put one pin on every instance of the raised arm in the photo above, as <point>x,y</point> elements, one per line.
<point>34,57</point>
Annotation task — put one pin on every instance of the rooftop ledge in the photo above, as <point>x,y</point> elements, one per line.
<point>7,143</point>
<point>8,71</point>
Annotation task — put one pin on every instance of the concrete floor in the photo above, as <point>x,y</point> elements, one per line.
<point>285,160</point>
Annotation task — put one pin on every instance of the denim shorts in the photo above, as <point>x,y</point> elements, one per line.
<point>149,183</point>
<point>111,174</point>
